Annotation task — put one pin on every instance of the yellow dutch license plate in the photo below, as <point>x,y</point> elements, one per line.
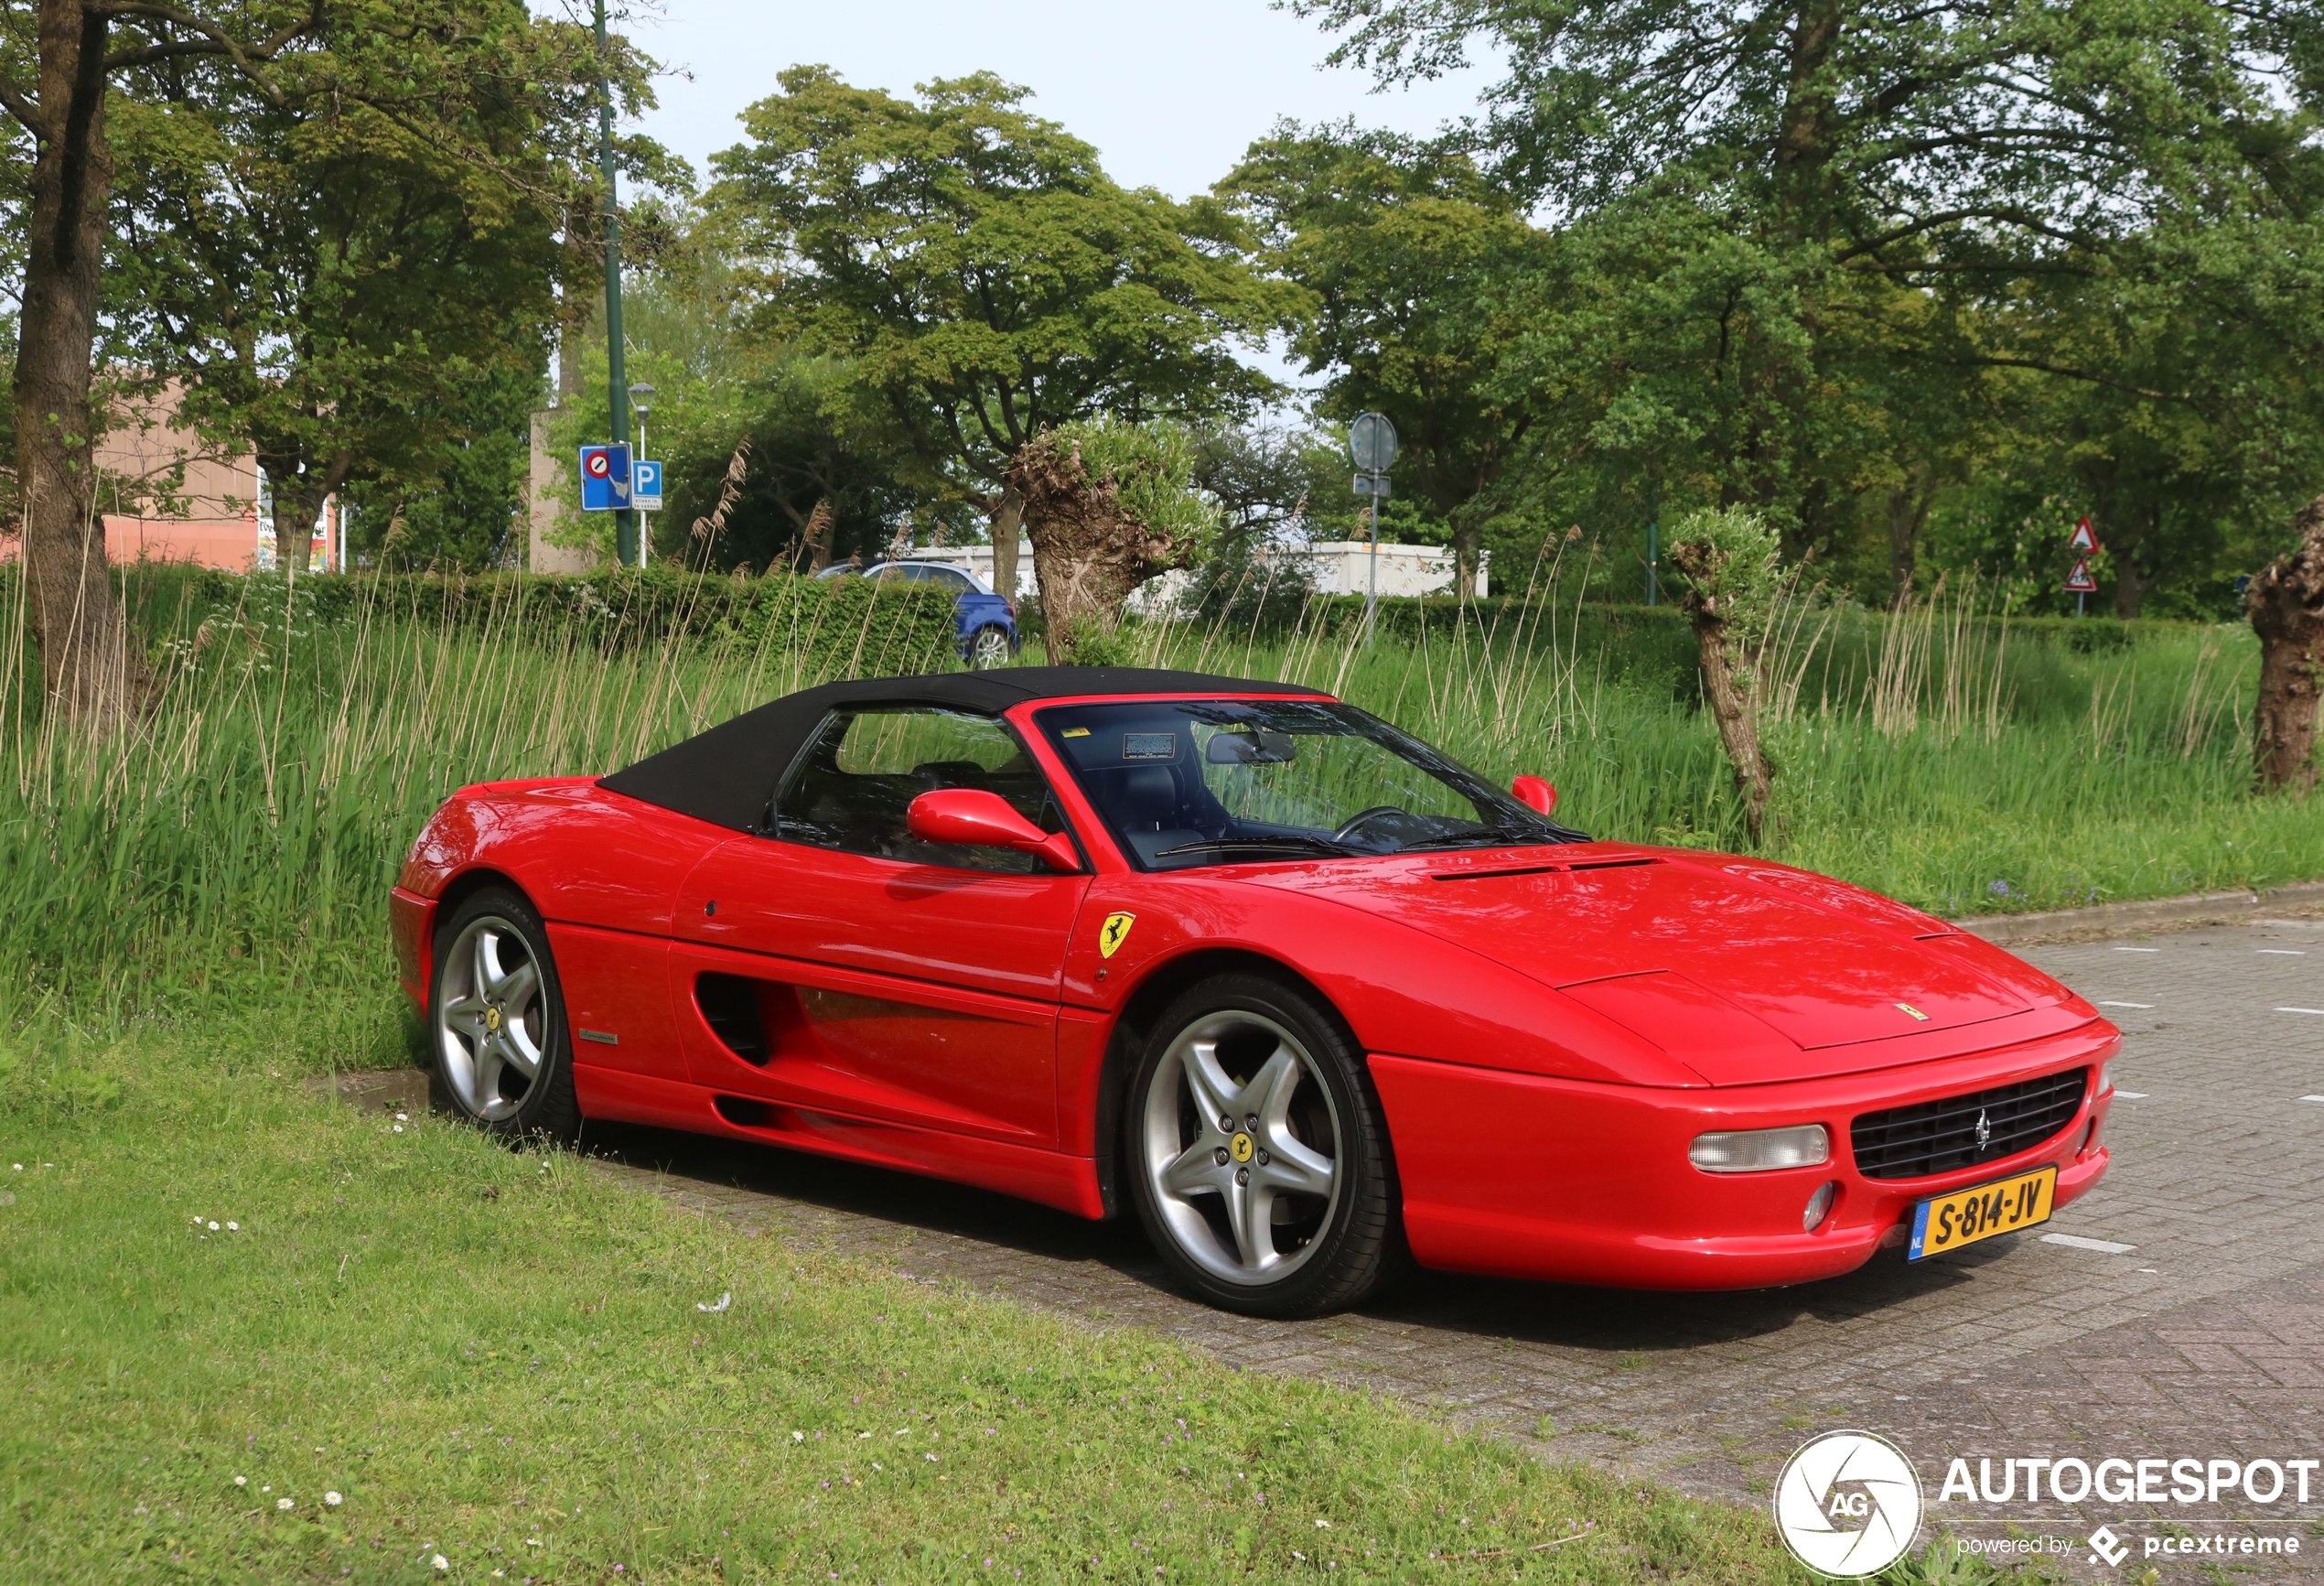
<point>1944,1223</point>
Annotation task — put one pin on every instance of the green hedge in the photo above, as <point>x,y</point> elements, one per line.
<point>846,625</point>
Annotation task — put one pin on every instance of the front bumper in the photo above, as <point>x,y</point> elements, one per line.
<point>1523,1176</point>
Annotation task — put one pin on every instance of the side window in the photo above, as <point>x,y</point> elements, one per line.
<point>851,788</point>
<point>949,579</point>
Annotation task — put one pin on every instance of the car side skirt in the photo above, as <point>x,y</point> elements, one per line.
<point>1050,1178</point>
<point>1525,1176</point>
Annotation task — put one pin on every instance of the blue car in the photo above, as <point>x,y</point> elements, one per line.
<point>987,635</point>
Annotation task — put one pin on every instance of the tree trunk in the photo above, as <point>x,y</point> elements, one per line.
<point>1733,693</point>
<point>820,524</point>
<point>2287,606</point>
<point>1008,526</point>
<point>1468,546</point>
<point>298,501</point>
<point>1908,515</point>
<point>1088,553</point>
<point>1738,716</point>
<point>89,670</point>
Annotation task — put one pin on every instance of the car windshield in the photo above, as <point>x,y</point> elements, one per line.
<point>1187,783</point>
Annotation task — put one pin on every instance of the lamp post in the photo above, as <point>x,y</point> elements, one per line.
<point>625,521</point>
<point>642,400</point>
<point>1371,447</point>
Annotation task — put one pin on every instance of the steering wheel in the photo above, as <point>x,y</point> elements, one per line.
<point>1354,822</point>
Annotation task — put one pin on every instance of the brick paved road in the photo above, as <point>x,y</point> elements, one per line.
<point>2204,1339</point>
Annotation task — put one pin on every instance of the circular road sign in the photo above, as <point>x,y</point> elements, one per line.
<point>1371,442</point>
<point>600,465</point>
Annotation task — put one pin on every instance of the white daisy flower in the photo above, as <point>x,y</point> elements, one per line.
<point>333,1499</point>
<point>281,1503</point>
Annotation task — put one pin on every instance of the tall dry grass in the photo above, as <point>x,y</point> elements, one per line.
<point>251,823</point>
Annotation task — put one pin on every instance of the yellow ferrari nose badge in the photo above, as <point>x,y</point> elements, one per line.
<point>1113,933</point>
<point>1240,1148</point>
<point>1907,1008</point>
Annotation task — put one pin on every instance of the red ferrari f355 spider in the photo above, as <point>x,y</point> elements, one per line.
<point>1311,997</point>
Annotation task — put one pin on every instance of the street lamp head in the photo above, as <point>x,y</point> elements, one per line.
<point>641,396</point>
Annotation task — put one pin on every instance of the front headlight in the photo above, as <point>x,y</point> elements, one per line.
<point>1761,1151</point>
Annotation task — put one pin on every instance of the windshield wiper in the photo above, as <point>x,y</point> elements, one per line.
<point>1290,844</point>
<point>1497,839</point>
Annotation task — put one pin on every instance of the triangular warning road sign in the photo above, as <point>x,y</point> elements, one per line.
<point>2085,538</point>
<point>2080,582</point>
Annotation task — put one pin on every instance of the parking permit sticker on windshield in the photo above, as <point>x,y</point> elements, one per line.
<point>1150,746</point>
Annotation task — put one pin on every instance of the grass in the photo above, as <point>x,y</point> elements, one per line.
<point>501,1359</point>
<point>245,833</point>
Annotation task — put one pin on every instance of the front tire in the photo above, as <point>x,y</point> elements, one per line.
<point>496,1019</point>
<point>1258,1160</point>
<point>989,648</point>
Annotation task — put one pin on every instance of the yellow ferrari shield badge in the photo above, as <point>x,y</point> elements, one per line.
<point>1113,933</point>
<point>1907,1008</point>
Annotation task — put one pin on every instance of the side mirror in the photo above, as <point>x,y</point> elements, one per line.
<point>974,818</point>
<point>1534,794</point>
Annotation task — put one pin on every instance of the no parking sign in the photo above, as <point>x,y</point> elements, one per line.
<point>605,479</point>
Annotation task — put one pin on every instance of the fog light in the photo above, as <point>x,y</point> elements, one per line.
<point>1760,1150</point>
<point>1819,1207</point>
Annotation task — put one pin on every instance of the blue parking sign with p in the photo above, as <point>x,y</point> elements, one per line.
<point>645,481</point>
<point>605,479</point>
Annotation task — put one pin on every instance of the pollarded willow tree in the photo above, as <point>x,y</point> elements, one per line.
<point>1108,504</point>
<point>981,272</point>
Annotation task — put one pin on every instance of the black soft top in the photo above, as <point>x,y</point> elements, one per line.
<point>727,775</point>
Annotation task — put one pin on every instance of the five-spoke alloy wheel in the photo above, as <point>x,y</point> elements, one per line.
<point>496,1019</point>
<point>1256,1153</point>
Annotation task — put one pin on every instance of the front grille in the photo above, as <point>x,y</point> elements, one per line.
<point>1937,1136</point>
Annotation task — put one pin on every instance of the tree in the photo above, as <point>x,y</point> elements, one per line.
<point>979,271</point>
<point>1734,577</point>
<point>66,66</point>
<point>826,468</point>
<point>1108,504</point>
<point>1846,165</point>
<point>323,284</point>
<point>1402,252</point>
<point>59,63</point>
<point>2287,604</point>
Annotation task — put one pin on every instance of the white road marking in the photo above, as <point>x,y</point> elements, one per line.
<point>2126,1005</point>
<point>2316,1011</point>
<point>2294,924</point>
<point>2312,1098</point>
<point>2138,949</point>
<point>2285,952</point>
<point>2076,1242</point>
<point>2131,1094</point>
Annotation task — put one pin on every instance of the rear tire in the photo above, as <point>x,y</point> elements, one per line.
<point>1256,1152</point>
<point>496,1020</point>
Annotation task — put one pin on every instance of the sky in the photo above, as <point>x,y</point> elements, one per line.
<point>1171,95</point>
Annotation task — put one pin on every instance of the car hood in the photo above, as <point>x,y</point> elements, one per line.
<point>1746,971</point>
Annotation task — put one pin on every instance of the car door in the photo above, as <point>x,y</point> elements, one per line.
<point>842,963</point>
